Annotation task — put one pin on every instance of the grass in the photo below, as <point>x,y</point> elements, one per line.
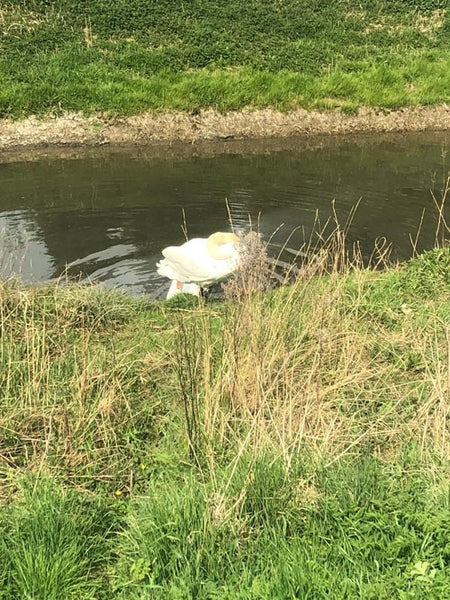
<point>290,443</point>
<point>357,531</point>
<point>52,544</point>
<point>126,58</point>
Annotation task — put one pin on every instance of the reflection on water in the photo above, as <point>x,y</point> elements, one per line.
<point>22,247</point>
<point>106,214</point>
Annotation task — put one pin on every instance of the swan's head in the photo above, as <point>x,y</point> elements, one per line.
<point>222,245</point>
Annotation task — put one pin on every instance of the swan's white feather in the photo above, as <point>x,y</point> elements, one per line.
<point>192,263</point>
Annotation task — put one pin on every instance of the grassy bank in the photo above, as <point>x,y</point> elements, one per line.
<point>292,444</point>
<point>128,57</point>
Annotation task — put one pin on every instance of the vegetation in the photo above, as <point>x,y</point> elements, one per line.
<point>290,443</point>
<point>283,444</point>
<point>125,57</point>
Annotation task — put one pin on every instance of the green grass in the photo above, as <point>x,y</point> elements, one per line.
<point>53,544</point>
<point>361,529</point>
<point>285,445</point>
<point>357,531</point>
<point>128,57</point>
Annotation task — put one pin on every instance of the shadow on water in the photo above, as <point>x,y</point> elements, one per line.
<point>106,213</point>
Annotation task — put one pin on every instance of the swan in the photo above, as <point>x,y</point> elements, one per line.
<point>200,262</point>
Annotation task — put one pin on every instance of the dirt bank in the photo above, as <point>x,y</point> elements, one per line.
<point>76,130</point>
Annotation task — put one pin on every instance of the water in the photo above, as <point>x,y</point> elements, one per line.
<point>105,214</point>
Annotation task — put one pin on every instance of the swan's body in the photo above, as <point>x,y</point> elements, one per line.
<point>200,262</point>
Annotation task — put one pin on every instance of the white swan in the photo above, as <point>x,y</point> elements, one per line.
<point>200,262</point>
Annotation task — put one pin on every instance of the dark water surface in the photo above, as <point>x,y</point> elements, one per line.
<point>105,214</point>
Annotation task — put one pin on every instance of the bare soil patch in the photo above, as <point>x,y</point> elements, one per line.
<point>75,130</point>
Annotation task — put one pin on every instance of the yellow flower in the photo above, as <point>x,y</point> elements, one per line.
<point>118,493</point>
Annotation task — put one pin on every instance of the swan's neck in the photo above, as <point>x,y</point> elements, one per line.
<point>220,246</point>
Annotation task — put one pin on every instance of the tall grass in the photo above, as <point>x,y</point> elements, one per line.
<point>341,360</point>
<point>64,387</point>
<point>317,421</point>
<point>287,442</point>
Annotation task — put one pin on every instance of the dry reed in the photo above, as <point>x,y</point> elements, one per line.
<point>309,368</point>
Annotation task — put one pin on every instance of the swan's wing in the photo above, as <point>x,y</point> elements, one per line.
<point>191,262</point>
<point>185,266</point>
<point>175,268</point>
<point>166,270</point>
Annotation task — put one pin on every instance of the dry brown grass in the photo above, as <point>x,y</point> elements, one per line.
<point>64,390</point>
<point>74,129</point>
<point>307,368</point>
